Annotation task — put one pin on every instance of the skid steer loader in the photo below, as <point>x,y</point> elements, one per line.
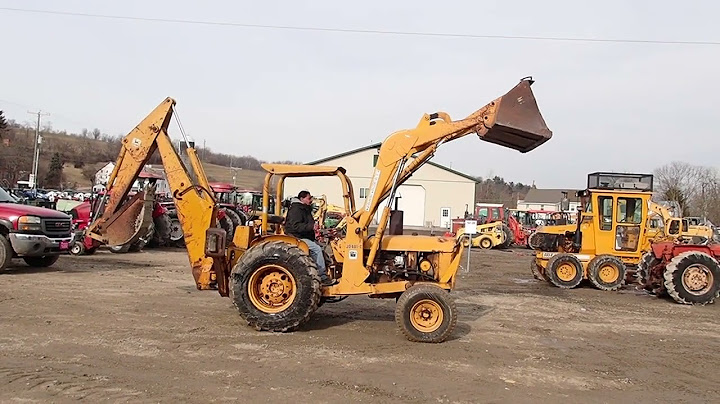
<point>270,276</point>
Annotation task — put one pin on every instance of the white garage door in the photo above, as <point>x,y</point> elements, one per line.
<point>411,202</point>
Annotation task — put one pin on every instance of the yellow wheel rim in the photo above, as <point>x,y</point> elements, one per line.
<point>566,272</point>
<point>697,279</point>
<point>426,315</point>
<point>485,243</point>
<point>272,289</point>
<point>608,273</point>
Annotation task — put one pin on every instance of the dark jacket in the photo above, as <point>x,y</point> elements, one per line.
<point>299,221</point>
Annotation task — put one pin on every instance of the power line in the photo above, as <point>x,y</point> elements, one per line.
<point>361,31</point>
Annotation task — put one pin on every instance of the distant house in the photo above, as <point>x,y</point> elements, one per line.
<point>102,176</point>
<point>548,199</point>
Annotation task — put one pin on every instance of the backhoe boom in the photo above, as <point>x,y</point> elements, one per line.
<point>194,201</point>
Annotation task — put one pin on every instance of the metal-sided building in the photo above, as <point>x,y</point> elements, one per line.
<point>434,195</point>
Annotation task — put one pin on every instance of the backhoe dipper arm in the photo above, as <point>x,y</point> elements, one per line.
<point>512,120</point>
<point>194,202</point>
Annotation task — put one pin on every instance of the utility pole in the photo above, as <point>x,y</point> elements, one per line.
<point>36,153</point>
<point>203,155</point>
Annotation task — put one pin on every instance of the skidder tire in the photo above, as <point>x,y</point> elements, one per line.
<point>607,272</point>
<point>426,313</point>
<point>275,287</point>
<point>564,271</point>
<point>537,271</point>
<point>693,278</point>
<point>41,262</point>
<point>6,252</point>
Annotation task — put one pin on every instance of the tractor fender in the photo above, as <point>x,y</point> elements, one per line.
<point>281,237</point>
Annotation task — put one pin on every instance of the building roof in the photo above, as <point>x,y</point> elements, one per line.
<point>377,146</point>
<point>536,195</point>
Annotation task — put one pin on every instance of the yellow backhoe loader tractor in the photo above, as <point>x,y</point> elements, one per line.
<point>270,276</point>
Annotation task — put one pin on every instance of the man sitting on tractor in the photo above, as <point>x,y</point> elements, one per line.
<point>301,224</point>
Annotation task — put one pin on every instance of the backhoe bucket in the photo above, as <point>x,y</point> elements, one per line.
<point>131,222</point>
<point>518,123</point>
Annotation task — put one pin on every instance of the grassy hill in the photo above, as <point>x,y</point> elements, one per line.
<point>246,179</point>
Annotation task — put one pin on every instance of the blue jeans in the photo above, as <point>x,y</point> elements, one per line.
<point>317,254</point>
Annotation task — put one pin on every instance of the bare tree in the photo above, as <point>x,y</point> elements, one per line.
<point>694,187</point>
<point>96,133</point>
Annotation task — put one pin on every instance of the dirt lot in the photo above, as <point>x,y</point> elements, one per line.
<point>132,328</point>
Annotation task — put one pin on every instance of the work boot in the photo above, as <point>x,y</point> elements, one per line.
<point>328,282</point>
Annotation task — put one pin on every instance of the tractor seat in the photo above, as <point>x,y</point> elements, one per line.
<point>275,219</point>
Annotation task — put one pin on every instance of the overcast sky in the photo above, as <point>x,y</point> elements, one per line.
<point>298,95</point>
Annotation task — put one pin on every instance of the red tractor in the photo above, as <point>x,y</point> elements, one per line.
<point>689,273</point>
<point>496,212</point>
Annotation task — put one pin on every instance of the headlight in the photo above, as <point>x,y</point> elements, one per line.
<point>29,223</point>
<point>29,220</point>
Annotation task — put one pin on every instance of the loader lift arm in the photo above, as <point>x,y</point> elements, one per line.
<point>195,202</point>
<point>512,120</point>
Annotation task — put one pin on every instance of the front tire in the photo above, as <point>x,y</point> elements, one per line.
<point>77,248</point>
<point>426,313</point>
<point>41,262</point>
<point>275,286</point>
<point>6,252</point>
<point>564,271</point>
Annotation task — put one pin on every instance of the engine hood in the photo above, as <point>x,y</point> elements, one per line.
<point>15,209</point>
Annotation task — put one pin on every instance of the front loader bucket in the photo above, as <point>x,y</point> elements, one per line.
<point>518,123</point>
<point>131,222</point>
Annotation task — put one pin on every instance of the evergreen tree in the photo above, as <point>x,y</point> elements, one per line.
<point>54,175</point>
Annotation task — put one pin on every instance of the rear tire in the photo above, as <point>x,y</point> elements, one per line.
<point>607,272</point>
<point>6,252</point>
<point>509,237</point>
<point>564,271</point>
<point>693,278</point>
<point>262,278</point>
<point>426,313</point>
<point>119,249</point>
<point>41,262</point>
<point>642,275</point>
<point>226,224</point>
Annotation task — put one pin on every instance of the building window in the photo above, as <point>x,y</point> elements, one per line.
<point>375,159</point>
<point>364,192</point>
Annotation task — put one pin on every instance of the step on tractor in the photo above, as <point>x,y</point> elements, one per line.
<point>611,238</point>
<point>270,276</point>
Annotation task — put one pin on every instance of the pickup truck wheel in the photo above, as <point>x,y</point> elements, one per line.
<point>5,253</point>
<point>41,262</point>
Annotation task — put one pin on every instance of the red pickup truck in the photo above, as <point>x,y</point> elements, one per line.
<point>37,235</point>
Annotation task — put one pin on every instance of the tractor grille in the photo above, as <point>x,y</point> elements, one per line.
<point>56,227</point>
